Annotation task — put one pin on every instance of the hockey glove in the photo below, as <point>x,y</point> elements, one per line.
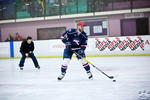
<point>80,51</point>
<point>68,45</point>
<point>80,54</point>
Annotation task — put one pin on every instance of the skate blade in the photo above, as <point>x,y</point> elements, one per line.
<point>91,78</point>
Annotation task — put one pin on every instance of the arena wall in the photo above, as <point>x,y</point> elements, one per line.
<point>110,46</point>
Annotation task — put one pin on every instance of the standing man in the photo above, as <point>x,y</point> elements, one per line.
<point>75,41</point>
<point>26,50</point>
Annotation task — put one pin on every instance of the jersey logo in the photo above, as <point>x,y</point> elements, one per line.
<point>76,41</point>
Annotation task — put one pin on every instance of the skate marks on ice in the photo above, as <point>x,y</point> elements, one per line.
<point>131,73</point>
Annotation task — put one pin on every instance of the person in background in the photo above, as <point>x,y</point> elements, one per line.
<point>18,37</point>
<point>9,38</point>
<point>26,49</point>
<point>41,10</point>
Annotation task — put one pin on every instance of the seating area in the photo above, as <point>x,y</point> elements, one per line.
<point>15,9</point>
<point>22,14</point>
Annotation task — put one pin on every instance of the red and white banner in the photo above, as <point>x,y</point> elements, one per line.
<point>132,44</point>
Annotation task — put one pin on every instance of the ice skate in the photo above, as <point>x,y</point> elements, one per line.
<point>38,67</point>
<point>21,68</point>
<point>90,76</point>
<point>61,76</point>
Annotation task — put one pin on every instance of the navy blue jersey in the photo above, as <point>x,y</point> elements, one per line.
<point>76,40</point>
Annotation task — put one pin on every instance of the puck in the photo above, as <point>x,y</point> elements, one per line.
<point>114,80</point>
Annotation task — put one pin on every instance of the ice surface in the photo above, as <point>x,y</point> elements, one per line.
<point>132,75</point>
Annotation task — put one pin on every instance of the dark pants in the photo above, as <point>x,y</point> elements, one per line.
<point>68,54</point>
<point>31,55</point>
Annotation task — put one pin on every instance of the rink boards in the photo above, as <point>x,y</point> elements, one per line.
<point>107,46</point>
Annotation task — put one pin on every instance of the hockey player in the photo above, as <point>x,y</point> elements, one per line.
<point>75,41</point>
<point>26,50</point>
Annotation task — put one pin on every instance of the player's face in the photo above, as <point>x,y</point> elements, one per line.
<point>81,28</point>
<point>29,41</point>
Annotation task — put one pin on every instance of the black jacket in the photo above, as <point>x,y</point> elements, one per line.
<point>25,47</point>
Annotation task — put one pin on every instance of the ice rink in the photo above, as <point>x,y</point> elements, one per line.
<point>132,75</point>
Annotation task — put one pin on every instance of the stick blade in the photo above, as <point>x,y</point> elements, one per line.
<point>111,77</point>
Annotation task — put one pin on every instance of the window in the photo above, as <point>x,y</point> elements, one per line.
<point>50,33</point>
<point>96,27</point>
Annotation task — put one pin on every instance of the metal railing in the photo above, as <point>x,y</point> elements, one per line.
<point>16,9</point>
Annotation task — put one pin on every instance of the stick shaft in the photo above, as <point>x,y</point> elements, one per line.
<point>94,66</point>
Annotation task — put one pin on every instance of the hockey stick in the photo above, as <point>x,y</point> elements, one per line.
<point>111,77</point>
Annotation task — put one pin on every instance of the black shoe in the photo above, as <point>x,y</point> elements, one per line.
<point>90,76</point>
<point>38,67</point>
<point>21,68</point>
<point>61,76</point>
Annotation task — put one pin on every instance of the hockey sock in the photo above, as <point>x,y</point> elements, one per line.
<point>86,67</point>
<point>85,64</point>
<point>65,64</point>
<point>63,69</point>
